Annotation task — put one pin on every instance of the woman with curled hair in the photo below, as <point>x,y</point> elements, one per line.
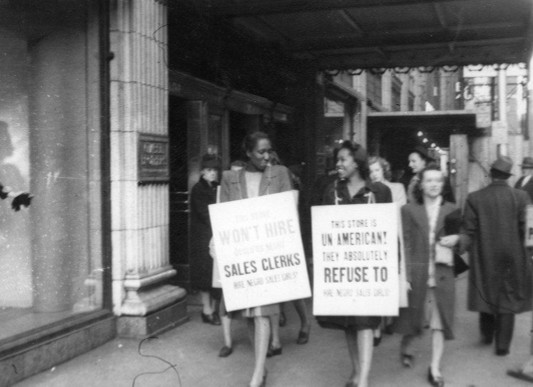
<point>352,186</point>
<point>380,171</point>
<point>259,177</point>
<point>429,246</point>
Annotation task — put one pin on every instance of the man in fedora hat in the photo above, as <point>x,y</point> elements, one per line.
<point>526,182</point>
<point>419,159</point>
<point>500,271</point>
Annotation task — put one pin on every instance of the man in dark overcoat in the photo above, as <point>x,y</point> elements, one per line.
<point>500,274</point>
<point>526,181</point>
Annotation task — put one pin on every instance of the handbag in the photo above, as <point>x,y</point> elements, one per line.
<point>452,225</point>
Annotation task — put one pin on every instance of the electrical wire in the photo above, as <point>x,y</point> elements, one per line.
<point>170,365</point>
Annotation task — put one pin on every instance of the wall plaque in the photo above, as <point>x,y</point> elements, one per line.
<point>153,158</point>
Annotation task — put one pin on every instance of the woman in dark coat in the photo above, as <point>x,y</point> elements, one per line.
<point>353,187</point>
<point>201,264</point>
<point>429,270</point>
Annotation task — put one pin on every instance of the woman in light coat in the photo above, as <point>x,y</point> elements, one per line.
<point>258,178</point>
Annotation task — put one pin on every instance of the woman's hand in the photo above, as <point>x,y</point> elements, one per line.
<point>449,240</point>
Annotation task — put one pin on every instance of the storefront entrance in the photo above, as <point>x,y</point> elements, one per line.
<point>204,118</point>
<point>445,134</point>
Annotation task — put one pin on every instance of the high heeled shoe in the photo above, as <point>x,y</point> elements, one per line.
<point>435,381</point>
<point>303,337</point>
<point>212,318</point>
<point>274,351</point>
<point>263,381</point>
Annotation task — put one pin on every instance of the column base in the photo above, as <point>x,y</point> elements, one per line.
<point>154,323</point>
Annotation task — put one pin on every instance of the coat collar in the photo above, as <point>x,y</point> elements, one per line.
<point>500,183</point>
<point>422,220</point>
<point>267,176</point>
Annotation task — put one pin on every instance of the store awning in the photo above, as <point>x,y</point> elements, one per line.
<point>352,34</point>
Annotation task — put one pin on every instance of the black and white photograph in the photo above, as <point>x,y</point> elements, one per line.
<point>266,193</point>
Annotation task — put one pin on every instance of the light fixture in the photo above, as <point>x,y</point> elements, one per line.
<point>433,145</point>
<point>425,140</point>
<point>420,134</point>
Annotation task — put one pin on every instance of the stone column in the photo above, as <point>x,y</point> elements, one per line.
<point>140,213</point>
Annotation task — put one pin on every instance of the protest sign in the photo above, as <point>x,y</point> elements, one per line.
<point>355,255</point>
<point>529,226</point>
<point>259,250</point>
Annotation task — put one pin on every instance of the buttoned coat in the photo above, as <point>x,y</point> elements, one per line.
<point>500,272</point>
<point>274,179</point>
<point>415,224</point>
<point>201,263</point>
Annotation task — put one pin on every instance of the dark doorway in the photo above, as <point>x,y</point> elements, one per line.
<point>178,191</point>
<point>393,135</point>
<point>239,126</point>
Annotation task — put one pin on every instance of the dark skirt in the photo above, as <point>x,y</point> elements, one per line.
<point>355,323</point>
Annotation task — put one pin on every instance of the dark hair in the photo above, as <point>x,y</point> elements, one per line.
<point>251,139</point>
<point>499,175</point>
<point>417,191</point>
<point>359,155</point>
<point>387,174</point>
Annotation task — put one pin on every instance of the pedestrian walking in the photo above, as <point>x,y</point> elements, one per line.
<point>419,159</point>
<point>380,171</point>
<point>258,178</point>
<point>429,270</point>
<point>500,270</point>
<point>526,182</point>
<point>354,187</point>
<point>203,194</point>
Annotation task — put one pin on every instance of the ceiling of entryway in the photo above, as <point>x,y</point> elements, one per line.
<point>350,34</point>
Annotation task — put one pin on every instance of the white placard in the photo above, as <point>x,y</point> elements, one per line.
<point>259,250</point>
<point>355,255</point>
<point>529,226</point>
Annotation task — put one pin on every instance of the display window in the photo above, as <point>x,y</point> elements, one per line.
<point>51,260</point>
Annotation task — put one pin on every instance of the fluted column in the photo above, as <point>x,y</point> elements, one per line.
<point>139,104</point>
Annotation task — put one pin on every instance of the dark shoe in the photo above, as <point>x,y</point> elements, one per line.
<point>487,340</point>
<point>216,319</point>
<point>377,341</point>
<point>225,351</point>
<point>303,337</point>
<point>210,319</point>
<point>407,360</point>
<point>274,351</point>
<point>502,352</point>
<point>282,319</point>
<point>351,383</point>
<point>435,381</point>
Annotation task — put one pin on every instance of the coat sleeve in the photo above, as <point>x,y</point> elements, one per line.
<point>524,202</point>
<point>402,197</point>
<point>470,225</point>
<point>225,189</point>
<point>284,180</point>
<point>408,229</point>
<point>200,200</point>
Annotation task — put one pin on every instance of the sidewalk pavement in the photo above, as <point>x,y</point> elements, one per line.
<point>193,351</point>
